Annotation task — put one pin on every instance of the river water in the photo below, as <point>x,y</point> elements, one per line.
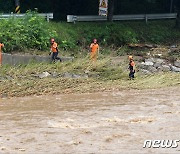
<point>110,122</point>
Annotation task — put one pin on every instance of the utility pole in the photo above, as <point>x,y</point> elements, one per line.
<point>17,6</point>
<point>171,6</point>
<point>110,10</point>
<point>177,10</point>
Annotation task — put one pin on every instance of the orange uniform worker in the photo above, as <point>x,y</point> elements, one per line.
<point>131,67</point>
<point>1,46</point>
<point>94,50</point>
<point>54,50</point>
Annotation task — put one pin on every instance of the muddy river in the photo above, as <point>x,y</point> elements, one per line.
<point>110,122</point>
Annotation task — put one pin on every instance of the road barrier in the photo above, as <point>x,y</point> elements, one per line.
<point>48,16</point>
<point>146,17</point>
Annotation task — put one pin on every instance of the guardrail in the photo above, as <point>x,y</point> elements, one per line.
<point>146,17</point>
<point>48,16</point>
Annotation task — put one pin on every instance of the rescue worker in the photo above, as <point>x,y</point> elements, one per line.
<point>94,47</point>
<point>131,67</point>
<point>54,50</point>
<point>1,46</point>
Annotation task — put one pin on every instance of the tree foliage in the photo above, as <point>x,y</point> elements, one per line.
<point>31,32</point>
<point>62,8</point>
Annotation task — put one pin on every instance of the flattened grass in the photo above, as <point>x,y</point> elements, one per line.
<point>103,76</point>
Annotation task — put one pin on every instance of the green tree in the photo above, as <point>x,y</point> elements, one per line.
<point>177,9</point>
<point>110,10</point>
<point>6,6</point>
<point>61,8</point>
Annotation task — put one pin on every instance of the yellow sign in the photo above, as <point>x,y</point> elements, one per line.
<point>103,7</point>
<point>17,10</point>
<point>103,4</point>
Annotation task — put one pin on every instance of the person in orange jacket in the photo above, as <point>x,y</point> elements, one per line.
<point>94,50</point>
<point>54,50</point>
<point>131,67</point>
<point>1,46</point>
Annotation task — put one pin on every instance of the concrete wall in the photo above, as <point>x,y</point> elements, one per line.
<point>17,59</point>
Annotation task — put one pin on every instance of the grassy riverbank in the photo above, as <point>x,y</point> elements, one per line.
<point>79,76</point>
<point>117,34</point>
<point>33,33</point>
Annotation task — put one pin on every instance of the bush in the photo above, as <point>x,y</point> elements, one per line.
<point>115,34</point>
<point>107,33</point>
<point>31,32</point>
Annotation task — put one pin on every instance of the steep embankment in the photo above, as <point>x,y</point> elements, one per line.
<point>77,37</point>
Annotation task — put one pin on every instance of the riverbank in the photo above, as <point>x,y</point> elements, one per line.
<point>79,76</point>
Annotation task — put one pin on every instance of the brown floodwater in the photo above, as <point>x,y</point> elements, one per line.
<point>109,122</point>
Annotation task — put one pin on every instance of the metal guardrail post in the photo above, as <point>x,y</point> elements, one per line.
<point>146,18</point>
<point>47,18</point>
<point>74,19</point>
<point>71,18</point>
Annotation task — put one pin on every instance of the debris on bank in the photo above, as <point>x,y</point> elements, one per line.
<point>153,65</point>
<point>158,58</point>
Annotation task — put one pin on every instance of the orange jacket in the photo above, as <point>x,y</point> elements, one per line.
<point>1,46</point>
<point>132,63</point>
<point>54,47</point>
<point>94,47</point>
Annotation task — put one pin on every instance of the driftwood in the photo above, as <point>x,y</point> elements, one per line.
<point>142,46</point>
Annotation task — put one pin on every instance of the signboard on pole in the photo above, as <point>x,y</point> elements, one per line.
<point>103,7</point>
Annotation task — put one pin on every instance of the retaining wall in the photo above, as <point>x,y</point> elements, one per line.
<point>17,59</point>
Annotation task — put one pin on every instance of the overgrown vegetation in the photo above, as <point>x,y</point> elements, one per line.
<point>34,33</point>
<point>116,34</point>
<point>31,32</point>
